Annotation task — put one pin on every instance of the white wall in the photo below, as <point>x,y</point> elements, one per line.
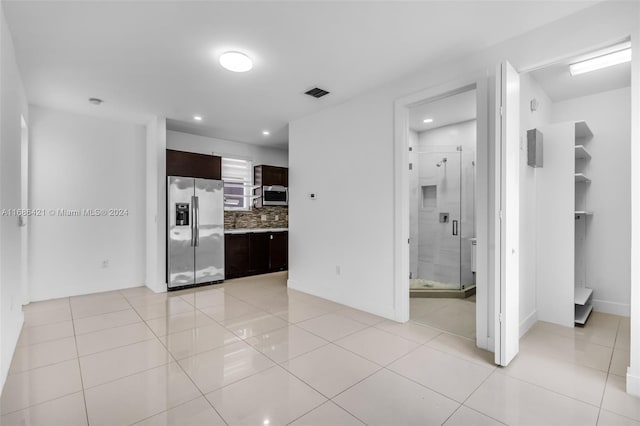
<point>529,89</point>
<point>608,114</point>
<point>204,145</point>
<point>345,154</point>
<point>80,162</point>
<point>156,202</point>
<point>13,105</point>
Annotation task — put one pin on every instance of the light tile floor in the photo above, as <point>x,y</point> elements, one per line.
<point>252,352</point>
<point>457,316</point>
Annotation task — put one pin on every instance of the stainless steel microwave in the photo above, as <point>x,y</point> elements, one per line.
<point>275,195</point>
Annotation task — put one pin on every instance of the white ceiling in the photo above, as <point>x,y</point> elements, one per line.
<point>559,85</point>
<point>149,58</point>
<point>443,112</point>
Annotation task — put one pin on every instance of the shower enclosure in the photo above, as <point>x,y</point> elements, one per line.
<point>442,219</point>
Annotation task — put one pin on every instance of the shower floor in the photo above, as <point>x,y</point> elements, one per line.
<point>422,284</point>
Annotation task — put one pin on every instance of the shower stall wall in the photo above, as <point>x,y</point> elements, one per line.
<point>442,222</point>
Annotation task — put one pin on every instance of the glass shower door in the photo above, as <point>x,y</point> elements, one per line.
<point>438,228</point>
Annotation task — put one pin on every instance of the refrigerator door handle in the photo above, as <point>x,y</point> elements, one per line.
<point>193,220</point>
<point>196,210</point>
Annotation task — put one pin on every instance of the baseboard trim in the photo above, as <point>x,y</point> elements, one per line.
<point>385,313</point>
<point>13,341</point>
<point>613,308</point>
<point>633,382</point>
<point>528,322</point>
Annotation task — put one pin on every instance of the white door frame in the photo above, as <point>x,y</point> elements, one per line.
<point>484,307</point>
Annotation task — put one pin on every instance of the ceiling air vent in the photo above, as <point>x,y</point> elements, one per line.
<point>316,92</point>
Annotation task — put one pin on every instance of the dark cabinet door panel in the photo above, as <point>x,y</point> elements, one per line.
<point>278,251</point>
<point>237,251</point>
<point>259,253</point>
<point>190,164</point>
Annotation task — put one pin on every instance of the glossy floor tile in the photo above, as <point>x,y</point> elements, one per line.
<point>332,326</point>
<point>327,414</point>
<point>285,343</point>
<point>377,345</point>
<point>515,402</point>
<point>198,412</point>
<point>446,374</point>
<point>331,369</point>
<point>251,351</point>
<point>258,400</point>
<point>219,367</point>
<point>389,399</point>
<point>67,410</point>
<point>137,397</point>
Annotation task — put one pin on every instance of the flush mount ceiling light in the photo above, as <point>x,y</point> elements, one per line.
<point>236,61</point>
<point>266,132</point>
<point>619,56</point>
<point>197,117</point>
<point>95,101</point>
<point>428,120</point>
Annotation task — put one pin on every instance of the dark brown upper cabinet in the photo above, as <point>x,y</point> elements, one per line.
<point>270,175</point>
<point>190,164</point>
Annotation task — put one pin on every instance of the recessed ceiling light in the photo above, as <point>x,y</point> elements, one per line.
<point>197,117</point>
<point>599,62</point>
<point>428,120</point>
<point>266,132</point>
<point>236,61</point>
<point>95,101</point>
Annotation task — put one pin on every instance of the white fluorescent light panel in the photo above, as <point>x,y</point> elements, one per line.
<point>603,61</point>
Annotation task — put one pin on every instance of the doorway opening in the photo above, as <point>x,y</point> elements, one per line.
<point>442,182</point>
<point>575,260</point>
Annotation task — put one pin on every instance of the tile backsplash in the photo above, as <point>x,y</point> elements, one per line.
<point>275,217</point>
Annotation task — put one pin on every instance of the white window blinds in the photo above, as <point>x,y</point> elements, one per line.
<point>237,175</point>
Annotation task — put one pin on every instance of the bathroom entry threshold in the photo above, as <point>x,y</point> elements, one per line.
<point>444,293</point>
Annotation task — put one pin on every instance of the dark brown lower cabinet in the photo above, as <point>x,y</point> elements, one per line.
<point>259,253</point>
<point>279,251</point>
<point>236,255</point>
<point>255,253</point>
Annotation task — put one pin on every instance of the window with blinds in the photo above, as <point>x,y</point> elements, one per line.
<point>237,175</point>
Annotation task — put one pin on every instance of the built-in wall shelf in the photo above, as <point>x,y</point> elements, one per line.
<point>580,177</point>
<point>581,295</point>
<point>582,313</point>
<point>582,130</point>
<point>582,153</point>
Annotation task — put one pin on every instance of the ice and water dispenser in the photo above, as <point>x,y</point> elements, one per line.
<point>182,214</point>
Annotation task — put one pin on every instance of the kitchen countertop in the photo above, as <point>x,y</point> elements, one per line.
<point>248,230</point>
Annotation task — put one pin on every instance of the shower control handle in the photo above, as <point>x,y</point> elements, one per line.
<point>455,227</point>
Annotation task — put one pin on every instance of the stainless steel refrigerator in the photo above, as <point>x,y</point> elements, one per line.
<point>195,232</point>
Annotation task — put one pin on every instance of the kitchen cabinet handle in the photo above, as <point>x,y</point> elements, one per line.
<point>455,227</point>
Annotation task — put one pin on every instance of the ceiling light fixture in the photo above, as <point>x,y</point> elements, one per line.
<point>599,62</point>
<point>266,132</point>
<point>428,120</point>
<point>197,117</point>
<point>236,61</point>
<point>95,101</point>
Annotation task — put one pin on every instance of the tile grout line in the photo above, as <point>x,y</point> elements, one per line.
<point>181,369</point>
<point>75,338</point>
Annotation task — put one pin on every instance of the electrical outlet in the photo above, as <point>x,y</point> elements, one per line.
<point>338,270</point>
<point>277,217</point>
<point>105,264</point>
<point>263,217</point>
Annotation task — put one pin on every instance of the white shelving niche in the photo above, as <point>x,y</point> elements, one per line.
<point>582,293</point>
